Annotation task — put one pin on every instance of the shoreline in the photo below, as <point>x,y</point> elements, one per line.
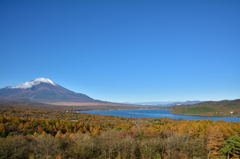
<point>207,116</point>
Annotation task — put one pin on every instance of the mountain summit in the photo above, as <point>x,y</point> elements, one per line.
<point>42,90</point>
<point>32,83</point>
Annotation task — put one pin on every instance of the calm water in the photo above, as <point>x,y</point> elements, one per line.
<point>155,113</point>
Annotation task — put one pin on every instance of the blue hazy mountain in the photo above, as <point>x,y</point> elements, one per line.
<point>168,103</point>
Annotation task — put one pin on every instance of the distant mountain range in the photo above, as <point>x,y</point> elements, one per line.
<point>167,103</point>
<point>42,90</point>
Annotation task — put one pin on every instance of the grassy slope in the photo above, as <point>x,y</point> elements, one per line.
<point>219,108</point>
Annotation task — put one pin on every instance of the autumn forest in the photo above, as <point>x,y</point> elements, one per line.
<point>44,132</point>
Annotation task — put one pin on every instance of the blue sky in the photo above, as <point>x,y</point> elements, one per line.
<point>124,51</point>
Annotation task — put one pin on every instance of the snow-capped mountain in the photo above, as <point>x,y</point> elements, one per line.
<point>32,83</point>
<point>42,90</point>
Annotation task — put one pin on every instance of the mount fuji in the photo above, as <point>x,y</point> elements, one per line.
<point>42,90</point>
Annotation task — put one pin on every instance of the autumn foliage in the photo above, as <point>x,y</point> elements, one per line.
<point>68,135</point>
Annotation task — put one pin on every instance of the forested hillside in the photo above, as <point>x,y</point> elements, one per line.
<point>212,108</point>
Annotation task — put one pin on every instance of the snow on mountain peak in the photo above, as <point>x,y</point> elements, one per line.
<point>37,81</point>
<point>45,80</point>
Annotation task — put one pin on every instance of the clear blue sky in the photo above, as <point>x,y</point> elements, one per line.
<point>124,51</point>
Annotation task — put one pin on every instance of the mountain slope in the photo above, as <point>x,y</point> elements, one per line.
<point>211,108</point>
<point>42,90</point>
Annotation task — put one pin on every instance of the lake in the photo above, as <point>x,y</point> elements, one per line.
<point>156,113</point>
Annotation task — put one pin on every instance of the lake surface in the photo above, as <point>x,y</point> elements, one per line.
<point>156,113</point>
